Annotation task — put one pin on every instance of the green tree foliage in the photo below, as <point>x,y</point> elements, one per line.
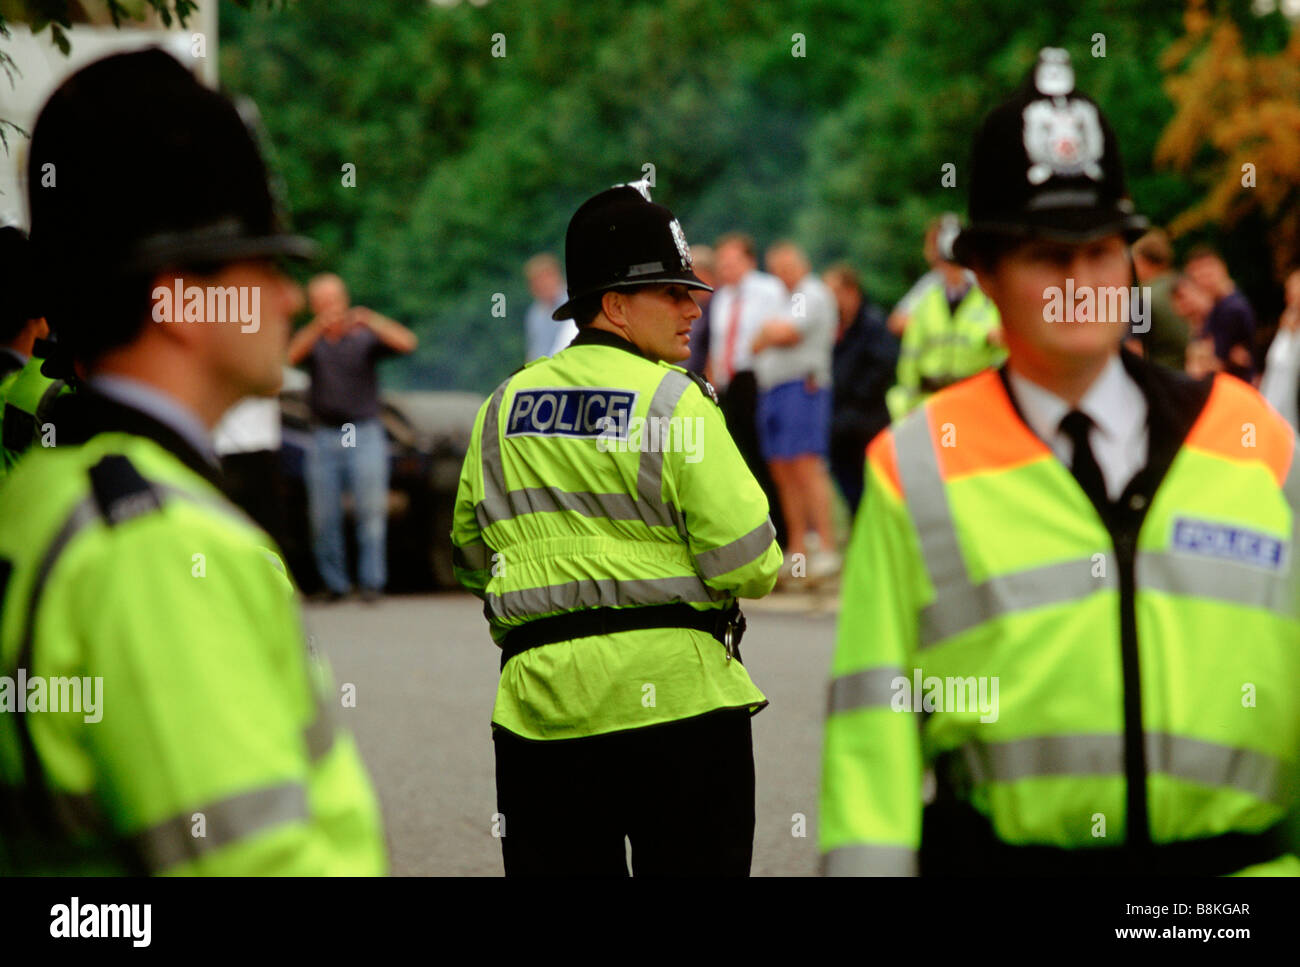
<point>828,120</point>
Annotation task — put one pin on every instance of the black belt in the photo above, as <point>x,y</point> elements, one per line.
<point>725,624</point>
<point>956,840</point>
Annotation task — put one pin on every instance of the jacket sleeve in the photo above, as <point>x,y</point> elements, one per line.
<point>215,751</point>
<point>725,511</point>
<point>872,761</point>
<point>471,557</point>
<point>902,396</point>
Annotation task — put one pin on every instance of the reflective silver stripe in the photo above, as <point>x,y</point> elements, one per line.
<point>319,735</point>
<point>869,860</point>
<point>1217,580</point>
<point>605,592</point>
<point>472,557</point>
<point>961,606</point>
<point>927,502</point>
<point>499,504</point>
<point>76,813</point>
<point>83,515</point>
<point>537,500</point>
<point>494,471</point>
<point>173,841</point>
<point>865,689</point>
<point>650,469</point>
<point>1194,760</point>
<point>1291,488</point>
<point>1210,764</point>
<point>741,551</point>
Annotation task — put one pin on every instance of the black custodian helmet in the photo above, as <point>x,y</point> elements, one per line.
<point>620,239</point>
<point>135,167</point>
<point>1045,164</point>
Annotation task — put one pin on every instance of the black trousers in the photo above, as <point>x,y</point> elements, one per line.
<point>740,410</point>
<point>682,793</point>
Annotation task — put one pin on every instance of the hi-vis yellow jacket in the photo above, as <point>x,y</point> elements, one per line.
<point>597,478</point>
<point>1082,685</point>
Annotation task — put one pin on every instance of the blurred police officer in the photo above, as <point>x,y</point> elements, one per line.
<point>21,323</point>
<point>609,523</point>
<point>1101,543</point>
<point>22,330</point>
<point>167,718</point>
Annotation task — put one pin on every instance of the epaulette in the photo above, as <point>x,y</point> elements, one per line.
<point>705,386</point>
<point>120,492</point>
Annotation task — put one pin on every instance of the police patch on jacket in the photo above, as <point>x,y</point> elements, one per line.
<point>1249,547</point>
<point>570,411</point>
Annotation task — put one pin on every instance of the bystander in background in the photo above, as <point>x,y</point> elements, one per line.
<point>341,347</point>
<point>545,336</point>
<point>1153,262</point>
<point>706,268</point>
<point>792,365</point>
<point>745,299</point>
<point>1281,382</point>
<point>1231,320</point>
<point>863,364</point>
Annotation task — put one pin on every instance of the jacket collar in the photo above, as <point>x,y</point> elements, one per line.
<point>1174,403</point>
<point>85,414</point>
<point>591,336</point>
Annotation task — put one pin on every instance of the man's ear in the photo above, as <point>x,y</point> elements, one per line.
<point>166,315</point>
<point>614,304</point>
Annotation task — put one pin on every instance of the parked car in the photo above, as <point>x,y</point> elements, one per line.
<point>428,434</point>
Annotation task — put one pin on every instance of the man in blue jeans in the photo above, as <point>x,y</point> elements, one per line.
<point>342,347</point>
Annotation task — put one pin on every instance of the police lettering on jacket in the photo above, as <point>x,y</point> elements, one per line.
<point>604,415</point>
<point>569,411</point>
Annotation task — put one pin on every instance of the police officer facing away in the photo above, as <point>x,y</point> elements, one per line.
<point>166,716</point>
<point>609,523</point>
<point>1091,594</point>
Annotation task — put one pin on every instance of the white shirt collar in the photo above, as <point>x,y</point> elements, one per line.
<point>1118,410</point>
<point>1113,402</point>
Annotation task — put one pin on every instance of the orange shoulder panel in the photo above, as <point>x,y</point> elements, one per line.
<point>1238,424</point>
<point>975,428</point>
<point>882,455</point>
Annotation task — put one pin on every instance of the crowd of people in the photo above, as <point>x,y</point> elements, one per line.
<point>809,368</point>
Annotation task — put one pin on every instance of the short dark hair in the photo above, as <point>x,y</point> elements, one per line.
<point>847,275</point>
<point>586,310</point>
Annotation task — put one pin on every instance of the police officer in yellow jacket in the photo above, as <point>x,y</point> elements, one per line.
<point>609,523</point>
<point>23,330</point>
<point>159,711</point>
<point>1080,576</point>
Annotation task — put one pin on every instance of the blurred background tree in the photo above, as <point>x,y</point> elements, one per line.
<point>826,120</point>
<point>1235,133</point>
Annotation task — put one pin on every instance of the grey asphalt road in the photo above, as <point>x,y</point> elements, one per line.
<point>425,674</point>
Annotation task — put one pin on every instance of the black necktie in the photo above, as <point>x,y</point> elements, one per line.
<point>1076,425</point>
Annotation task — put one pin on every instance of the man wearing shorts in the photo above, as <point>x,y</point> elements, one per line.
<point>792,364</point>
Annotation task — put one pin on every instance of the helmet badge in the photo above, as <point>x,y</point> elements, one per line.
<point>679,237</point>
